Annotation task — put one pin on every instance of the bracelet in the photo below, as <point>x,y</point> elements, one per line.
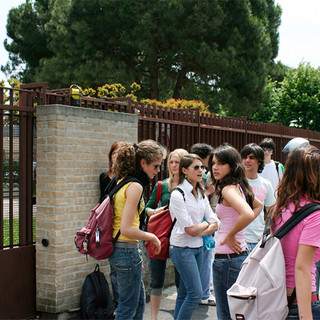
<point>154,211</point>
<point>208,224</point>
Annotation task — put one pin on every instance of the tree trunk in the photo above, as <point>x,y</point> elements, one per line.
<point>180,81</point>
<point>154,80</point>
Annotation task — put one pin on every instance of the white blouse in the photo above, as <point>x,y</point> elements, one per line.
<point>188,213</point>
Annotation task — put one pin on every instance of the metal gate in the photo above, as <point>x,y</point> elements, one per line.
<point>17,223</point>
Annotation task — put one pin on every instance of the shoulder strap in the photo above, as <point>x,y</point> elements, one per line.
<point>249,199</point>
<point>277,168</point>
<point>175,219</point>
<point>115,190</point>
<point>159,190</point>
<point>121,184</point>
<point>296,218</point>
<point>181,191</point>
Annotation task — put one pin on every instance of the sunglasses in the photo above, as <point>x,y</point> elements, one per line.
<point>267,149</point>
<point>157,166</point>
<point>198,167</point>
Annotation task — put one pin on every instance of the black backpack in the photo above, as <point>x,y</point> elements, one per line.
<point>96,300</point>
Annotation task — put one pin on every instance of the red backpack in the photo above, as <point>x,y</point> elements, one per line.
<point>161,225</point>
<point>95,239</point>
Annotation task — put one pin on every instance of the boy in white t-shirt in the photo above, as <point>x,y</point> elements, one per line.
<point>273,170</point>
<point>253,160</point>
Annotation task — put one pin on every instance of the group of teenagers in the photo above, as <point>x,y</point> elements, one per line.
<point>226,193</point>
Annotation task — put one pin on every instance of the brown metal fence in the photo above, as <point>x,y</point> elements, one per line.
<point>174,128</point>
<point>16,165</point>
<point>181,128</point>
<point>17,251</point>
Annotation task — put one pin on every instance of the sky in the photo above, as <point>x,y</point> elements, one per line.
<point>299,32</point>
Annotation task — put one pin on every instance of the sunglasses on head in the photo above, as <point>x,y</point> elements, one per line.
<point>267,149</point>
<point>198,167</point>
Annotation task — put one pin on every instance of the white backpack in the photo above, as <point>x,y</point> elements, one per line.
<point>260,289</point>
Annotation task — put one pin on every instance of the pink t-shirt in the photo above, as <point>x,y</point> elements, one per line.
<point>228,217</point>
<point>306,232</point>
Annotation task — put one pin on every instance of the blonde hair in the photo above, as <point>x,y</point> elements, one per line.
<point>180,153</point>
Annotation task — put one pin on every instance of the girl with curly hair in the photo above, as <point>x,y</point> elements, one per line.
<point>157,266</point>
<point>143,163</point>
<point>235,213</point>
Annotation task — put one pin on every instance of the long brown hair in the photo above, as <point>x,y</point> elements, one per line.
<point>237,174</point>
<point>301,180</point>
<point>113,148</point>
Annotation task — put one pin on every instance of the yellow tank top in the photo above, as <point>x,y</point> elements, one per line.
<point>119,201</point>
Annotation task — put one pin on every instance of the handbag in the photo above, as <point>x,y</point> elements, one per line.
<point>160,225</point>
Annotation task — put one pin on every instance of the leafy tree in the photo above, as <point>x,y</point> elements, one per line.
<point>270,105</point>
<point>26,26</point>
<point>295,101</point>
<point>299,98</point>
<point>218,51</point>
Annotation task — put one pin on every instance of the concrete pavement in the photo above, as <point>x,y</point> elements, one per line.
<point>168,304</point>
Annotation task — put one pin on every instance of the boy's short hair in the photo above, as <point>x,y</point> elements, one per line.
<point>268,143</point>
<point>201,149</point>
<point>257,151</point>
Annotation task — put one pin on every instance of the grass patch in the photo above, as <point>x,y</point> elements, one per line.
<point>6,231</point>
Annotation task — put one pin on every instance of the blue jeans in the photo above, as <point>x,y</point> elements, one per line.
<point>205,273</point>
<point>188,261</point>
<point>225,273</point>
<point>115,291</point>
<point>294,312</point>
<point>251,246</point>
<point>127,263</point>
<point>318,276</point>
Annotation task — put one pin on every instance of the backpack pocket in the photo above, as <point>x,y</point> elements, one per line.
<point>242,302</point>
<point>81,240</point>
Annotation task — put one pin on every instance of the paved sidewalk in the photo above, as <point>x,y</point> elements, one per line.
<point>167,308</point>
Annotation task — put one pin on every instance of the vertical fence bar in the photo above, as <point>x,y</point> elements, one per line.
<point>1,166</point>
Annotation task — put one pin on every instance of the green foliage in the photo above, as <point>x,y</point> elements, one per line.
<point>178,103</point>
<point>218,51</point>
<point>6,172</point>
<point>6,231</point>
<point>295,101</point>
<point>113,90</point>
<point>26,28</point>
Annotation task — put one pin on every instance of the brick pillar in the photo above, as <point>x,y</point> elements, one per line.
<point>72,150</point>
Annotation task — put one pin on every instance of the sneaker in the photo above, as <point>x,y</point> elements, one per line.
<point>211,301</point>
